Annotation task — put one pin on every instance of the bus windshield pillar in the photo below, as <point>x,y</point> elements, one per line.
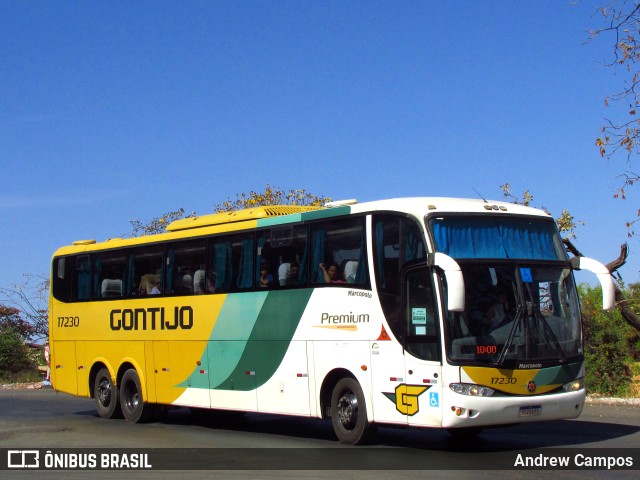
<point>455,281</point>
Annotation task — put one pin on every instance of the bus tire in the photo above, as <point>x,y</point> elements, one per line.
<point>132,402</point>
<point>105,393</point>
<point>349,413</point>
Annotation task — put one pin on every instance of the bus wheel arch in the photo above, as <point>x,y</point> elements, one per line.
<point>328,384</point>
<point>104,391</point>
<point>347,408</point>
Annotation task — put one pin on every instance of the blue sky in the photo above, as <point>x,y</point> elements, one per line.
<point>112,111</point>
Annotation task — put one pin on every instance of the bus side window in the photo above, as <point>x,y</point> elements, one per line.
<point>109,275</point>
<point>265,276</point>
<point>281,258</point>
<point>62,282</point>
<point>338,248</point>
<point>289,246</point>
<point>144,275</point>
<point>220,269</point>
<point>83,278</point>
<point>397,240</point>
<point>231,264</point>
<point>185,268</point>
<point>243,257</point>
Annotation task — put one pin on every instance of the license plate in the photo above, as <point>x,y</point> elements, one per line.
<point>529,411</point>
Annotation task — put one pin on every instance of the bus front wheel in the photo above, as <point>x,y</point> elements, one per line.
<point>105,394</point>
<point>349,413</point>
<point>132,402</point>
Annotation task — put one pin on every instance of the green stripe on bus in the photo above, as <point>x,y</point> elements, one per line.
<point>558,375</point>
<point>306,216</point>
<point>283,220</point>
<point>233,328</point>
<point>251,337</point>
<point>269,341</point>
<point>326,213</point>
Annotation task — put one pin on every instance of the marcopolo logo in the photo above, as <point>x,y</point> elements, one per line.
<point>23,459</point>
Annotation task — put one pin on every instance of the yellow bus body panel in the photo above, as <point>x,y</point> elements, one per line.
<point>145,333</point>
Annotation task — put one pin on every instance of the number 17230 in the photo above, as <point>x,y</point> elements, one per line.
<point>67,322</point>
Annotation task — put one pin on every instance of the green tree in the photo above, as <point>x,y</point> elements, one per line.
<point>29,301</point>
<point>632,335</point>
<point>607,341</point>
<point>14,331</point>
<point>13,354</point>
<point>157,224</point>
<point>271,196</point>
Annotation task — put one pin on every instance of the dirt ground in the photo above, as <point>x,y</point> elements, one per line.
<point>25,386</point>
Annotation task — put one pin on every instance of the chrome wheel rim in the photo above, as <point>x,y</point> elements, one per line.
<point>104,392</point>
<point>347,408</point>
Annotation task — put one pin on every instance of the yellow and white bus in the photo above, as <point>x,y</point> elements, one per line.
<point>424,312</point>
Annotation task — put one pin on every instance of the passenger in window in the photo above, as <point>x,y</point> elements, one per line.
<point>150,284</point>
<point>266,279</point>
<point>332,274</point>
<point>155,286</point>
<point>498,314</point>
<point>292,275</point>
<point>211,283</point>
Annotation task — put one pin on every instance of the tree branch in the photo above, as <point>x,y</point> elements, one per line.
<point>628,315</point>
<point>621,260</point>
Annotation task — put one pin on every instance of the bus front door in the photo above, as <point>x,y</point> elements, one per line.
<point>422,394</point>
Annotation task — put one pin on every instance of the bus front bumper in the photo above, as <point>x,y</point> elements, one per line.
<point>462,411</point>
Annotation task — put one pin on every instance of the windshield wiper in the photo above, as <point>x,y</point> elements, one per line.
<point>521,315</point>
<point>512,333</point>
<point>549,331</point>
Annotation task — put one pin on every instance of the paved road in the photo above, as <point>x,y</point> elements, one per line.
<point>44,419</point>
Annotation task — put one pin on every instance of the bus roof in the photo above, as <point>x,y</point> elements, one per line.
<point>421,206</point>
<point>266,216</point>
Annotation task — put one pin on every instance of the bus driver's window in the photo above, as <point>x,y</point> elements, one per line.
<point>421,331</point>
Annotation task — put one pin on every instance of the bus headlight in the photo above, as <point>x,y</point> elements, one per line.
<point>574,386</point>
<point>471,389</point>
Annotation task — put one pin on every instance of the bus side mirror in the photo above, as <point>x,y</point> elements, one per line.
<point>603,274</point>
<point>455,282</point>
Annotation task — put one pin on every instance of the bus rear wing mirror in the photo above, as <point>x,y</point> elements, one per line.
<point>603,274</point>
<point>455,282</point>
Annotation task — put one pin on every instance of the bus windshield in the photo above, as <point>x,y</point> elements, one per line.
<point>521,308</point>
<point>515,315</point>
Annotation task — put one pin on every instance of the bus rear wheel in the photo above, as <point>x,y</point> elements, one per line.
<point>105,393</point>
<point>349,413</point>
<point>132,402</point>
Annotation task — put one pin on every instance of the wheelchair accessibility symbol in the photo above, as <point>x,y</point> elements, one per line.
<point>433,399</point>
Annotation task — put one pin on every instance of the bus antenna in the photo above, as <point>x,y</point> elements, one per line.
<point>480,195</point>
